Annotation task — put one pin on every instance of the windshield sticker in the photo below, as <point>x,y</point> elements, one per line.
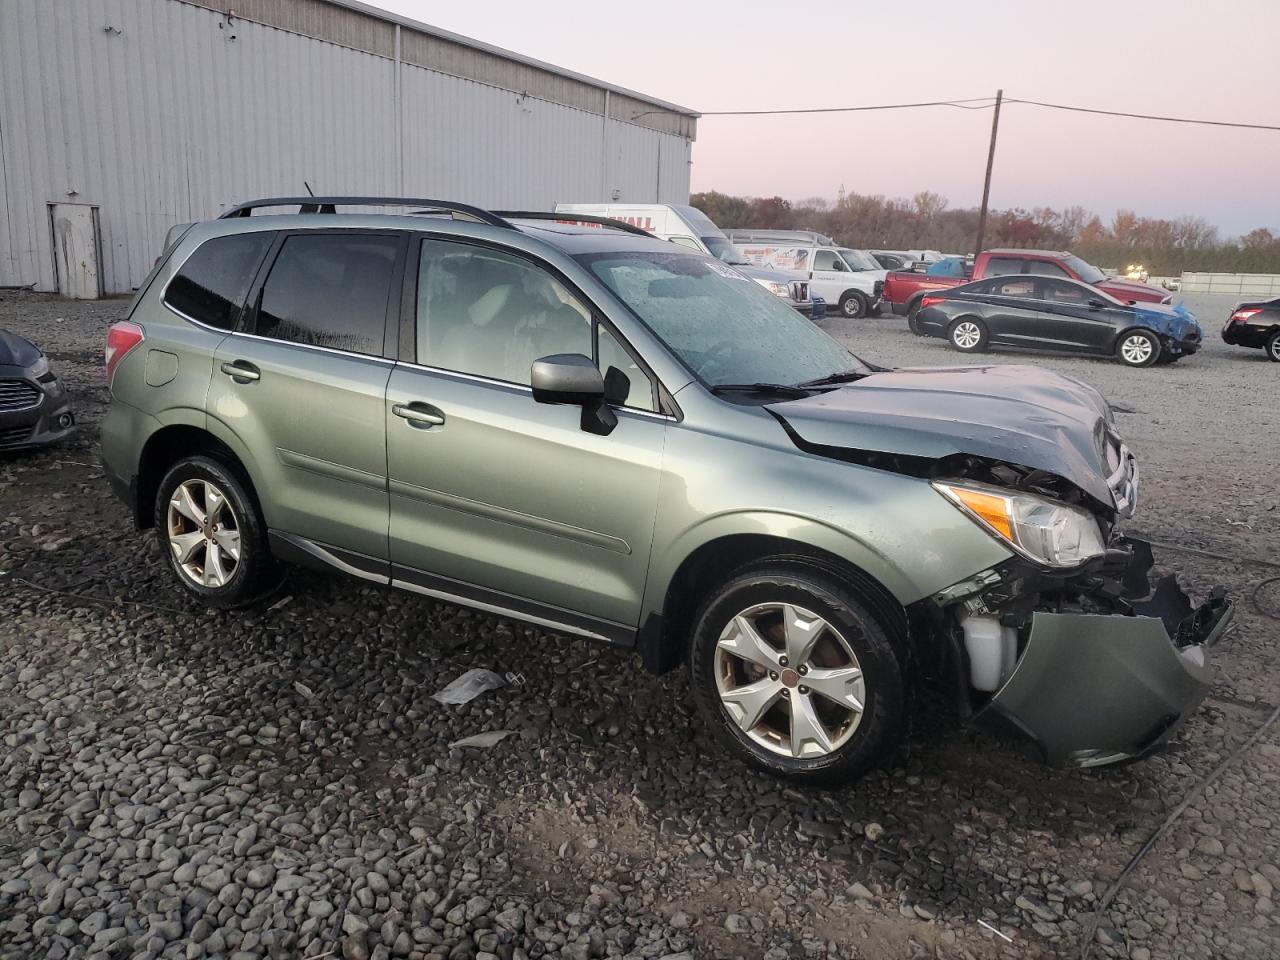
<point>725,270</point>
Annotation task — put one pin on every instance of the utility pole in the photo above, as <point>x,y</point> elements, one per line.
<point>986,184</point>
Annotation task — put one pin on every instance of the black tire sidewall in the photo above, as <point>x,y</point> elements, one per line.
<point>1130,334</point>
<point>1272,347</point>
<point>884,715</point>
<point>255,558</point>
<point>860,310</point>
<point>982,338</point>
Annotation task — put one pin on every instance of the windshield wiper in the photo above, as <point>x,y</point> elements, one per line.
<point>848,376</point>
<point>781,389</point>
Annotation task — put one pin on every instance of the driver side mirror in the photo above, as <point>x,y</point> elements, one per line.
<point>572,378</point>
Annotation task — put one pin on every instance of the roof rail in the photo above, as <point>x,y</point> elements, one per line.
<point>329,204</point>
<point>567,216</point>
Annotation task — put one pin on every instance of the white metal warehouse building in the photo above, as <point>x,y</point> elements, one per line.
<point>121,118</point>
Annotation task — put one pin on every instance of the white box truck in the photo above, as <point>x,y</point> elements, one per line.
<point>851,279</point>
<point>692,228</point>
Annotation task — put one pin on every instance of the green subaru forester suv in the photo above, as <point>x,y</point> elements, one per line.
<point>581,426</point>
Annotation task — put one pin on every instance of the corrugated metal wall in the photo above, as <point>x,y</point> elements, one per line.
<point>152,111</point>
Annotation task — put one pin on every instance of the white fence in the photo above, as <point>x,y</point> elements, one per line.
<point>1243,284</point>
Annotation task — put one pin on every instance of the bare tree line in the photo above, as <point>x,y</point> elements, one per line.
<point>1164,247</point>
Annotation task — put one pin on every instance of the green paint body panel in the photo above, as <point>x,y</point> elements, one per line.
<point>510,494</point>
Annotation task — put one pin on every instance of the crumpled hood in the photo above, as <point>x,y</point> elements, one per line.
<point>16,351</point>
<point>1025,415</point>
<point>1175,321</point>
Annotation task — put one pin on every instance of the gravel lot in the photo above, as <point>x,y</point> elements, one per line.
<point>180,782</point>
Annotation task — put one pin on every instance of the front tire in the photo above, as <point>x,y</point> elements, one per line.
<point>795,676</point>
<point>1273,347</point>
<point>853,305</point>
<point>1138,348</point>
<point>968,335</point>
<point>210,530</point>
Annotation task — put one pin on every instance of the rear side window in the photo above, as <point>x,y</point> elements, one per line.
<point>212,283</point>
<point>330,290</point>
<point>1046,268</point>
<point>1003,266</point>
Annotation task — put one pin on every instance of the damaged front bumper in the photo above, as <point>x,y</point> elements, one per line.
<point>1094,688</point>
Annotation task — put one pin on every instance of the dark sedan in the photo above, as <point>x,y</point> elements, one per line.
<point>34,406</point>
<point>1056,315</point>
<point>1255,325</point>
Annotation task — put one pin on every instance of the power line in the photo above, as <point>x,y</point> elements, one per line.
<point>964,104</point>
<point>986,103</point>
<point>1145,116</point>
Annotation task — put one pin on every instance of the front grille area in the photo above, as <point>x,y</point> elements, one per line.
<point>799,291</point>
<point>17,395</point>
<point>15,435</point>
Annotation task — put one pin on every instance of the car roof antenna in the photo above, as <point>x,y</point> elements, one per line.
<point>314,207</point>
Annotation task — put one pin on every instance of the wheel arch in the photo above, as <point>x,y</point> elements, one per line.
<point>663,639</point>
<point>165,447</point>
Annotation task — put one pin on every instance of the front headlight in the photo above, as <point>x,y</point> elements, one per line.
<point>1042,530</point>
<point>781,289</point>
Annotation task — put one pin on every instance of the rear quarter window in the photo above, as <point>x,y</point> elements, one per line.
<point>210,286</point>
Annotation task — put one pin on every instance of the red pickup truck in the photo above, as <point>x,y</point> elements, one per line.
<point>903,289</point>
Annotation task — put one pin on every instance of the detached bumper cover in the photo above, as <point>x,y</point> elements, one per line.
<point>1094,689</point>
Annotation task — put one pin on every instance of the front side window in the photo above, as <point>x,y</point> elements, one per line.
<point>491,314</point>
<point>212,283</point>
<point>722,326</point>
<point>1003,266</point>
<point>1062,291</point>
<point>625,384</point>
<point>827,260</point>
<point>722,248</point>
<point>1085,271</point>
<point>330,290</point>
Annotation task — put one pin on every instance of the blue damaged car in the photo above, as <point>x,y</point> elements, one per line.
<point>1057,315</point>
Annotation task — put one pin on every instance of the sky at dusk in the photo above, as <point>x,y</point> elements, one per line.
<point>1172,57</point>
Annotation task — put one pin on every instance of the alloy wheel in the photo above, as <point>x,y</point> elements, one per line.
<point>789,680</point>
<point>203,533</point>
<point>1273,347</point>
<point>966,335</point>
<point>1136,349</point>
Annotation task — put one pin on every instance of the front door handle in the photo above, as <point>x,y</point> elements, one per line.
<point>419,414</point>
<point>241,372</point>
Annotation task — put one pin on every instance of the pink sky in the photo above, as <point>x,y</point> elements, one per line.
<point>1173,57</point>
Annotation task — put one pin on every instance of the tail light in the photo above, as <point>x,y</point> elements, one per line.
<point>930,301</point>
<point>1240,316</point>
<point>121,338</point>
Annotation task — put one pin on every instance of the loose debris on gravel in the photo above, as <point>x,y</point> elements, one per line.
<point>278,782</point>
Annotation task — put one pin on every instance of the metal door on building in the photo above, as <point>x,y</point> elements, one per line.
<point>75,249</point>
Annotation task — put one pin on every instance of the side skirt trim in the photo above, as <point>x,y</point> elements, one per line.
<point>291,548</point>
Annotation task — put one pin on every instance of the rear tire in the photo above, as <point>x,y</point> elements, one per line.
<point>1273,347</point>
<point>828,718</point>
<point>1138,348</point>
<point>212,533</point>
<point>853,305</point>
<point>968,335</point>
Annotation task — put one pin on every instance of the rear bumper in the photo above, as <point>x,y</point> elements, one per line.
<point>1095,689</point>
<point>1244,335</point>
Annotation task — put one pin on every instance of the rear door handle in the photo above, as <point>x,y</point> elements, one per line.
<point>241,371</point>
<point>419,414</point>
